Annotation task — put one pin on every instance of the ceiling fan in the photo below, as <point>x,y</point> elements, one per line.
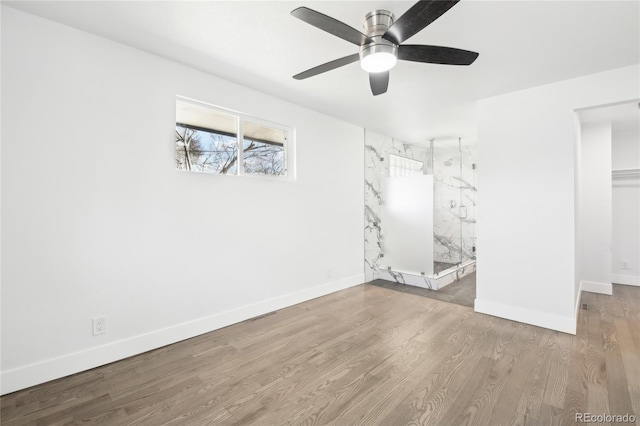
<point>380,46</point>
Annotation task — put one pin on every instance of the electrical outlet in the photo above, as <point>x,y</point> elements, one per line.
<point>99,325</point>
<point>624,264</point>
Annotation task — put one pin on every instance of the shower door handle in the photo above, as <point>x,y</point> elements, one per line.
<point>462,212</point>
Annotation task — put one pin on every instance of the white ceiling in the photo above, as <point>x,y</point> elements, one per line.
<point>258,44</point>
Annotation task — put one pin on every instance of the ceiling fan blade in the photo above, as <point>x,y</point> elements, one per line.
<point>416,18</point>
<point>327,66</point>
<point>331,25</point>
<point>379,82</point>
<point>436,54</point>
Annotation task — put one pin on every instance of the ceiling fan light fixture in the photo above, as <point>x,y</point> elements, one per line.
<point>378,57</point>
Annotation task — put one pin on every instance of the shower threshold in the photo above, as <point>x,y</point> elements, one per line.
<point>434,282</point>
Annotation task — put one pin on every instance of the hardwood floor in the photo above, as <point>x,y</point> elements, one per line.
<point>362,356</point>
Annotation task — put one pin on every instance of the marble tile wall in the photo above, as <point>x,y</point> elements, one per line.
<point>454,196</point>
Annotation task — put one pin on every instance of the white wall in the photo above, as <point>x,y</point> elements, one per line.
<point>626,207</point>
<point>526,262</point>
<point>625,148</point>
<point>97,221</point>
<point>593,215</point>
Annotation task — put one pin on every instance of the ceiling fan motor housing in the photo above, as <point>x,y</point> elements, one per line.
<point>375,24</point>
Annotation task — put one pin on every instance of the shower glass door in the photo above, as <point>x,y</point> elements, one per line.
<point>468,193</point>
<point>450,207</point>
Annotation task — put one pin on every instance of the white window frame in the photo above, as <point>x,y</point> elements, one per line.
<point>404,166</point>
<point>241,118</point>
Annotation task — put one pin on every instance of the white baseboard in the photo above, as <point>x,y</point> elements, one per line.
<point>55,368</point>
<point>596,287</point>
<point>626,279</point>
<point>527,316</point>
<point>591,287</point>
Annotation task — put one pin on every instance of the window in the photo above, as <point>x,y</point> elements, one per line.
<point>401,166</point>
<point>263,149</point>
<point>208,141</point>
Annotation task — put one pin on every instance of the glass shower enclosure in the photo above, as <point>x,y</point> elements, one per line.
<point>427,220</point>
